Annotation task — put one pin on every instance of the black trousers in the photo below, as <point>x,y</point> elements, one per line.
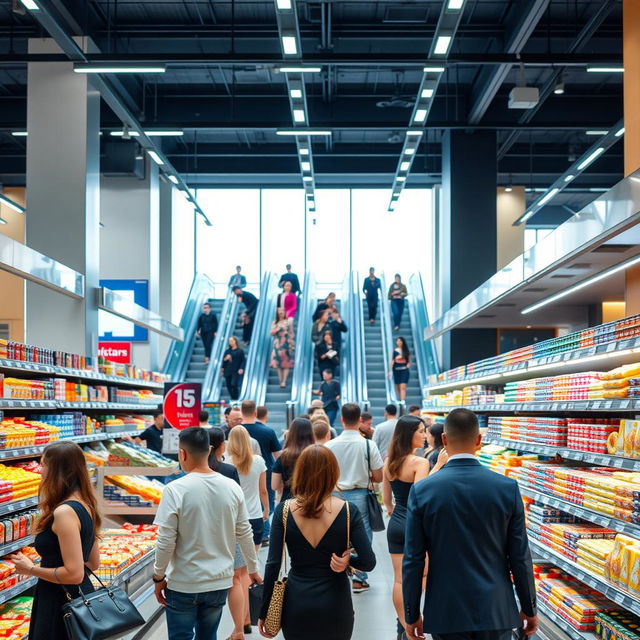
<point>247,330</point>
<point>233,381</point>
<point>372,304</point>
<point>207,341</point>
<point>500,634</point>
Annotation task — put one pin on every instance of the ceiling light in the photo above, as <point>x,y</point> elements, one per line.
<point>548,197</point>
<point>289,45</point>
<point>19,134</point>
<point>401,179</point>
<point>300,69</point>
<point>569,178</point>
<point>433,69</point>
<point>404,166</point>
<point>173,179</point>
<point>97,68</point>
<point>307,178</point>
<point>427,93</point>
<point>605,69</point>
<point>596,132</point>
<point>598,189</point>
<point>304,151</point>
<point>590,158</point>
<point>8,202</point>
<point>559,88</point>
<point>306,166</point>
<point>164,132</point>
<point>410,151</point>
<point>155,157</point>
<point>30,4</point>
<point>414,132</point>
<point>508,189</point>
<point>296,93</point>
<point>581,285</point>
<point>302,132</point>
<point>526,216</point>
<point>283,5</point>
<point>455,5</point>
<point>420,115</point>
<point>298,115</point>
<point>619,132</point>
<point>442,45</point>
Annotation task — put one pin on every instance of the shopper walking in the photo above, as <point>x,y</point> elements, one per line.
<point>383,433</point>
<point>327,354</point>
<point>253,480</point>
<point>233,363</point>
<point>401,470</point>
<point>283,352</point>
<point>248,317</point>
<point>199,518</point>
<point>320,327</point>
<point>207,329</point>
<point>360,464</point>
<point>299,437</point>
<point>366,425</point>
<point>321,431</point>
<point>317,604</point>
<point>337,326</point>
<point>66,539</point>
<point>370,288</point>
<point>292,279</point>
<point>329,391</point>
<point>399,367</point>
<point>471,522</point>
<point>237,279</point>
<point>434,440</point>
<point>397,294</point>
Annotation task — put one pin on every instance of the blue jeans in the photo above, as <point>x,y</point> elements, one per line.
<point>397,307</point>
<point>359,498</point>
<point>331,414</point>
<point>199,612</point>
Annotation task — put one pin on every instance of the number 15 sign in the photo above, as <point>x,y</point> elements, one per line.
<point>182,404</point>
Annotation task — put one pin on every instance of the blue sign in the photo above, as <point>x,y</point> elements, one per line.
<point>114,328</point>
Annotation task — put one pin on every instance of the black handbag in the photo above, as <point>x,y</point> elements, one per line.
<point>256,592</point>
<point>101,614</point>
<point>376,521</point>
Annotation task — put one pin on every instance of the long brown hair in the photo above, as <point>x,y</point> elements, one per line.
<point>314,479</point>
<point>239,449</point>
<point>402,444</point>
<point>66,474</point>
<point>299,437</point>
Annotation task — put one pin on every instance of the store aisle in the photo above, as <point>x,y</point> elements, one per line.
<point>375,616</point>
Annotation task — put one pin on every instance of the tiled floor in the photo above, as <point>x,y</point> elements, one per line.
<point>375,615</point>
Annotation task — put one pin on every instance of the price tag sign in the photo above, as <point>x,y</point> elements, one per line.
<point>611,347</point>
<point>181,408</point>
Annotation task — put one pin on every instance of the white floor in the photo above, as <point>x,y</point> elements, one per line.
<point>375,615</point>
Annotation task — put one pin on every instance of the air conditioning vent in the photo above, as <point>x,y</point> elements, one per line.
<point>534,290</point>
<point>613,248</point>
<point>562,276</point>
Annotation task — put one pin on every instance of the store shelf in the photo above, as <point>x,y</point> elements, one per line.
<point>16,590</point>
<point>18,505</point>
<point>139,471</point>
<point>613,354</point>
<point>600,459</point>
<point>618,595</point>
<point>11,547</point>
<point>112,509</point>
<point>560,622</point>
<point>631,405</point>
<point>135,567</point>
<point>17,366</point>
<point>10,403</point>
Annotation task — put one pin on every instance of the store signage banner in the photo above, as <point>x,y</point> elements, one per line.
<point>182,404</point>
<point>115,351</point>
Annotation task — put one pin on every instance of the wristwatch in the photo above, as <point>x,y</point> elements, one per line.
<point>158,580</point>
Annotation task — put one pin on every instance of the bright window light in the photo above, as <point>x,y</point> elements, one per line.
<point>31,5</point>
<point>427,93</point>
<point>7,202</point>
<point>298,115</point>
<point>605,69</point>
<point>596,132</point>
<point>433,70</point>
<point>289,45</point>
<point>173,179</point>
<point>300,69</point>
<point>283,5</point>
<point>569,178</point>
<point>455,5</point>
<point>95,68</point>
<point>303,132</point>
<point>421,115</point>
<point>306,166</point>
<point>442,45</point>
<point>590,158</point>
<point>155,157</point>
<point>404,166</point>
<point>619,132</point>
<point>19,134</point>
<point>296,93</point>
<point>548,197</point>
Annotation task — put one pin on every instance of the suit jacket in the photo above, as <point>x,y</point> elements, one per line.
<point>471,523</point>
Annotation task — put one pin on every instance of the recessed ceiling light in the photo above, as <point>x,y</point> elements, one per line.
<point>420,116</point>
<point>427,93</point>
<point>306,166</point>
<point>289,45</point>
<point>307,178</point>
<point>433,69</point>
<point>304,151</point>
<point>410,151</point>
<point>173,179</point>
<point>298,115</point>
<point>596,132</point>
<point>101,68</point>
<point>605,69</point>
<point>283,5</point>
<point>455,5</point>
<point>508,189</point>
<point>155,157</point>
<point>404,166</point>
<point>300,69</point>
<point>19,134</point>
<point>296,93</point>
<point>619,132</point>
<point>590,158</point>
<point>569,178</point>
<point>414,132</point>
<point>401,179</point>
<point>442,45</point>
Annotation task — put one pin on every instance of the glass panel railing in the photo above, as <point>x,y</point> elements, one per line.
<point>425,350</point>
<point>347,373</point>
<point>387,341</point>
<point>177,360</point>
<point>358,360</point>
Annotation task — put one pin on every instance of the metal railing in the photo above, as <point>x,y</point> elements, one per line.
<point>212,383</point>
<point>254,384</point>
<point>179,354</point>
<point>425,350</point>
<point>357,361</point>
<point>347,382</point>
<point>387,341</point>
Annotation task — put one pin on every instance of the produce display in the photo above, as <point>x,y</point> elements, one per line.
<point>120,548</point>
<point>15,617</point>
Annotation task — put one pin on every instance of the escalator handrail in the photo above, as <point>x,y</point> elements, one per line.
<point>347,385</point>
<point>358,352</point>
<point>212,383</point>
<point>425,351</point>
<point>302,378</point>
<point>387,340</point>
<point>179,353</point>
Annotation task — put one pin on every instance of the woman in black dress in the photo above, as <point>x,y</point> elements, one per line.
<point>299,437</point>
<point>233,367</point>
<point>401,470</point>
<point>317,601</point>
<point>399,367</point>
<point>66,539</point>
<point>327,354</point>
<point>434,440</point>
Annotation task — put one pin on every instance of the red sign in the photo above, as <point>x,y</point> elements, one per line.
<point>115,351</point>
<point>182,404</point>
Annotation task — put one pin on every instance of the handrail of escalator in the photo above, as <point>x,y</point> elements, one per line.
<point>387,340</point>
<point>425,350</point>
<point>347,385</point>
<point>359,360</point>
<point>179,353</point>
<point>254,384</point>
<point>212,383</point>
<point>302,378</point>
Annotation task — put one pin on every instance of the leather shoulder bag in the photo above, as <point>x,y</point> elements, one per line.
<point>376,520</point>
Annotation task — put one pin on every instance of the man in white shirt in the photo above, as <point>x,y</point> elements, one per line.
<point>384,431</point>
<point>200,517</point>
<point>360,462</point>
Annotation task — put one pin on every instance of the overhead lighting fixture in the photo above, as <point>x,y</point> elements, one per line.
<point>401,179</point>
<point>19,134</point>
<point>420,115</point>
<point>619,132</point>
<point>30,4</point>
<point>283,5</point>
<point>302,132</point>
<point>581,285</point>
<point>559,88</point>
<point>155,157</point>
<point>598,189</point>
<point>590,158</point>
<point>289,45</point>
<point>433,69</point>
<point>596,132</point>
<point>569,178</point>
<point>3,221</point>
<point>173,179</point>
<point>427,93</point>
<point>409,151</point>
<point>455,5</point>
<point>296,93</point>
<point>307,178</point>
<point>526,216</point>
<point>548,197</point>
<point>151,132</point>
<point>442,45</point>
<point>306,166</point>
<point>8,202</point>
<point>508,189</point>
<point>404,166</point>
<point>304,151</point>
<point>298,115</point>
<point>605,69</point>
<point>101,68</point>
<point>300,69</point>
<point>414,132</point>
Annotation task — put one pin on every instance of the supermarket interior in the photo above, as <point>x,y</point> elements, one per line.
<point>413,206</point>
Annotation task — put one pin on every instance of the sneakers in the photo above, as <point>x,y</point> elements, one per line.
<point>265,543</point>
<point>359,587</point>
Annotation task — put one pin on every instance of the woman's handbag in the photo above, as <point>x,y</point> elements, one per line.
<point>376,521</point>
<point>104,613</point>
<point>273,620</point>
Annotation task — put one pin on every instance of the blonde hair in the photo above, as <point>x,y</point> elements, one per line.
<point>239,449</point>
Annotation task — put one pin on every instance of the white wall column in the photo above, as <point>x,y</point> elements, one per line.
<point>510,206</point>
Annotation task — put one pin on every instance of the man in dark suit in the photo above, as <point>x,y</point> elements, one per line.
<point>470,521</point>
<point>291,277</point>
<point>251,306</point>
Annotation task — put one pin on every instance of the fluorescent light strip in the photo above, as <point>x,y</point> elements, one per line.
<point>19,134</point>
<point>420,115</point>
<point>442,45</point>
<point>619,132</point>
<point>283,5</point>
<point>414,132</point>
<point>306,166</point>
<point>296,93</point>
<point>30,4</point>
<point>401,179</point>
<point>605,69</point>
<point>304,151</point>
<point>589,159</point>
<point>569,178</point>
<point>307,178</point>
<point>7,202</point>
<point>289,45</point>
<point>455,5</point>
<point>158,133</point>
<point>298,115</point>
<point>581,285</point>
<point>409,151</point>
<point>300,69</point>
<point>404,166</point>
<point>303,132</point>
<point>526,216</point>
<point>596,132</point>
<point>548,197</point>
<point>93,68</point>
<point>427,93</point>
<point>155,157</point>
<point>433,69</point>
<point>173,179</point>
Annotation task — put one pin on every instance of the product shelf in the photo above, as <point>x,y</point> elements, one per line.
<point>631,405</point>
<point>137,471</point>
<point>135,567</point>
<point>10,403</point>
<point>558,621</point>
<point>11,547</point>
<point>616,594</point>
<point>15,366</point>
<point>600,459</point>
<point>17,589</point>
<point>18,505</point>
<point>124,510</point>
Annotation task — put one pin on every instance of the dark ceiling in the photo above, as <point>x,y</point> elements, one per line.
<point>224,89</point>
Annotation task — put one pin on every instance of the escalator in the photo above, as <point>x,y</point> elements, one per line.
<point>196,367</point>
<point>414,392</point>
<point>376,364</point>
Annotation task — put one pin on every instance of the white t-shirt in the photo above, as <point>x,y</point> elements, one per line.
<point>250,484</point>
<point>350,448</point>
<point>383,434</point>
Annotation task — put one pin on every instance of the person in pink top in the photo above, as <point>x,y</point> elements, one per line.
<point>288,301</point>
